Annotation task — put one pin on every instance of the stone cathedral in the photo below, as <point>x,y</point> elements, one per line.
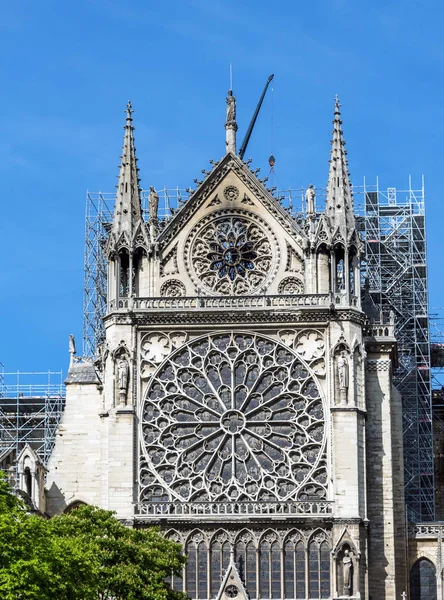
<point>241,400</point>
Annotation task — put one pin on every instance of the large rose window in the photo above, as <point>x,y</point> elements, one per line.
<point>233,417</point>
<point>231,254</point>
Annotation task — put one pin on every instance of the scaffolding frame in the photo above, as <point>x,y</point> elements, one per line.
<point>31,406</point>
<point>392,223</point>
<point>395,268</point>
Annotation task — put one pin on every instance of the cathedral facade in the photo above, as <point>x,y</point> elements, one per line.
<point>241,400</point>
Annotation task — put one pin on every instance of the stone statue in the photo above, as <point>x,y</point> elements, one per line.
<point>343,371</point>
<point>153,203</point>
<point>231,108</point>
<point>310,198</point>
<point>122,370</point>
<point>347,569</point>
<point>72,348</point>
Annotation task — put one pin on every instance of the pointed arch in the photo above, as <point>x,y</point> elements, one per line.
<point>423,585</point>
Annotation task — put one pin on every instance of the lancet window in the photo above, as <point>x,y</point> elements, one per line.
<point>283,566</point>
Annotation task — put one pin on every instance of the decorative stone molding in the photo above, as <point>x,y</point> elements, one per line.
<point>231,192</point>
<point>172,288</point>
<point>378,364</point>
<point>168,265</point>
<point>155,347</point>
<point>291,285</point>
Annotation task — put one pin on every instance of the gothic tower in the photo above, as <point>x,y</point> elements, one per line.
<point>240,400</point>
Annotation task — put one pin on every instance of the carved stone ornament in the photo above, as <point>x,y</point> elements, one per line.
<point>233,416</point>
<point>155,346</point>
<point>309,344</point>
<point>172,289</point>
<point>168,265</point>
<point>291,285</point>
<point>122,374</point>
<point>231,193</point>
<point>231,253</point>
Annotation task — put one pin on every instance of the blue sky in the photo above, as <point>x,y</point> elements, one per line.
<point>68,69</point>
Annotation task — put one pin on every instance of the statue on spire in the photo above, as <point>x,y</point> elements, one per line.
<point>230,123</point>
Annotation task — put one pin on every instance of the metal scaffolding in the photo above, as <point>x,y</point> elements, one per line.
<point>31,406</point>
<point>395,268</point>
<point>392,223</point>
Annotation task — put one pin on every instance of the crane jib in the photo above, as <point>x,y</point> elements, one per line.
<point>253,120</point>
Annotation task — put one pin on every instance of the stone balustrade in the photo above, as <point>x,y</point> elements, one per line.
<point>426,530</point>
<point>207,510</point>
<point>208,303</point>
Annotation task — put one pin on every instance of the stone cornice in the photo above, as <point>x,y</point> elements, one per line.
<point>232,318</point>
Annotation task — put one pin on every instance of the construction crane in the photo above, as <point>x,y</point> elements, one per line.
<point>247,137</point>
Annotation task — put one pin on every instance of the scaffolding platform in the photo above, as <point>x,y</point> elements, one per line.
<point>31,406</point>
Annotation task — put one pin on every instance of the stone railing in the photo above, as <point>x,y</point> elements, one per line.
<point>426,530</point>
<point>229,510</point>
<point>223,302</point>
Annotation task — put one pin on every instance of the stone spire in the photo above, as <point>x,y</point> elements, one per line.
<point>339,209</point>
<point>127,210</point>
<point>230,124</point>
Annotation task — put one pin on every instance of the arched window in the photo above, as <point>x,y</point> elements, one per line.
<point>220,558</point>
<point>319,569</point>
<point>275,571</point>
<point>264,567</point>
<point>294,570</point>
<point>240,559</point>
<point>28,481</point>
<point>250,570</point>
<point>191,576</point>
<point>423,580</point>
<point>202,571</point>
<point>270,570</point>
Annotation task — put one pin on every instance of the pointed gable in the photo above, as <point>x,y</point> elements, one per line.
<point>232,585</point>
<point>207,196</point>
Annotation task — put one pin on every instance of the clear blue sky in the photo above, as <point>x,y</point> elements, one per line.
<point>68,69</point>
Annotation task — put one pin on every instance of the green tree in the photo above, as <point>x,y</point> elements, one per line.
<point>84,555</point>
<point>132,564</point>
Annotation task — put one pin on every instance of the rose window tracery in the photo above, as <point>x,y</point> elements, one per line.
<point>231,253</point>
<point>233,416</point>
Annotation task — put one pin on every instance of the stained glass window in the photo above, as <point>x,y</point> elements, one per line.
<point>423,580</point>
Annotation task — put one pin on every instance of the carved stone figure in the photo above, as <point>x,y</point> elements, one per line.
<point>153,203</point>
<point>72,348</point>
<point>309,198</point>
<point>122,370</point>
<point>231,109</point>
<point>347,567</point>
<point>343,371</point>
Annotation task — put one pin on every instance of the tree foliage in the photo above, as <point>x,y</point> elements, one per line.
<point>86,554</point>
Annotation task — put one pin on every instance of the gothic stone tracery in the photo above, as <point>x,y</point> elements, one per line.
<point>232,416</point>
<point>231,253</point>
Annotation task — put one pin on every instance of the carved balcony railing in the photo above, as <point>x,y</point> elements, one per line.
<point>208,303</point>
<point>426,530</point>
<point>232,510</point>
